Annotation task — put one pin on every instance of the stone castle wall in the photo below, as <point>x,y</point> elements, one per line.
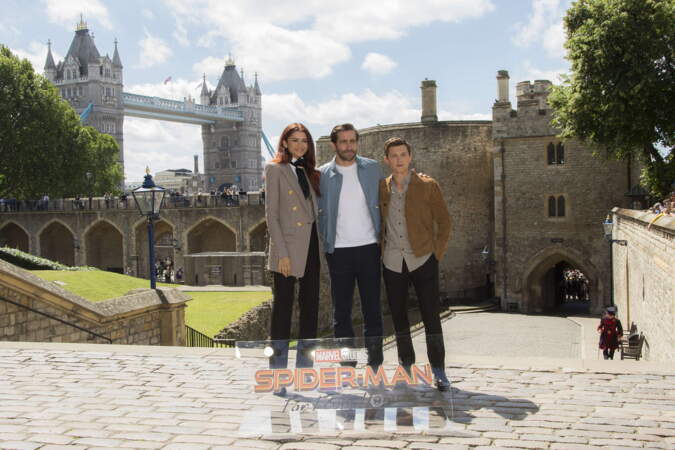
<point>644,279</point>
<point>32,309</point>
<point>457,155</point>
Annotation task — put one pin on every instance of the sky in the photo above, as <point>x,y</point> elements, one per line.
<point>318,62</point>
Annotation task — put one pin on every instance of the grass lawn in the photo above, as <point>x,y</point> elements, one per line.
<point>208,312</point>
<point>95,285</point>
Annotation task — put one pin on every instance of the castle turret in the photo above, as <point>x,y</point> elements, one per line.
<point>429,101</point>
<point>50,67</point>
<point>204,96</point>
<point>86,78</point>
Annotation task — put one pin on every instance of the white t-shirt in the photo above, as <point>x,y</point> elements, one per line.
<point>354,223</point>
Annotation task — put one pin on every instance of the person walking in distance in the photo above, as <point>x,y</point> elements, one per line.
<point>291,209</point>
<point>412,207</point>
<point>349,223</point>
<point>611,331</point>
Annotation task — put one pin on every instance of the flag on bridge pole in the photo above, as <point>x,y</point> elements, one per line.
<point>86,112</point>
<point>167,80</point>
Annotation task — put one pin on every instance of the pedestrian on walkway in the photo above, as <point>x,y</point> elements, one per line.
<point>610,330</point>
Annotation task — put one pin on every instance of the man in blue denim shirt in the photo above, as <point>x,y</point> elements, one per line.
<point>349,223</point>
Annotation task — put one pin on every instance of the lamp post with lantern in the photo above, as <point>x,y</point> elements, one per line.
<point>149,198</point>
<point>608,225</point>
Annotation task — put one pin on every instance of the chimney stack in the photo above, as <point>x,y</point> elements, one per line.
<point>429,101</point>
<point>503,86</point>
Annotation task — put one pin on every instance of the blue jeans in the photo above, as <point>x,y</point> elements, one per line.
<point>348,266</point>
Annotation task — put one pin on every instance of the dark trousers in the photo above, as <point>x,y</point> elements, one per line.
<point>282,309</point>
<point>348,266</point>
<point>425,281</point>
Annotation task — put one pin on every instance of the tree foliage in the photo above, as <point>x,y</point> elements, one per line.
<point>43,146</point>
<point>620,94</point>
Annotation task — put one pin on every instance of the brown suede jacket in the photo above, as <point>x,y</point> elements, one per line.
<point>426,214</point>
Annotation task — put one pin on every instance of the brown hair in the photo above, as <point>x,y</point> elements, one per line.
<point>394,142</point>
<point>283,156</point>
<point>343,127</point>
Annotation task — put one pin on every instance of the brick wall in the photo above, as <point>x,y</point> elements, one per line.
<point>644,279</point>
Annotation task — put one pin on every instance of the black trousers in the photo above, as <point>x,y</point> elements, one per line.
<point>425,281</point>
<point>348,266</point>
<point>283,290</point>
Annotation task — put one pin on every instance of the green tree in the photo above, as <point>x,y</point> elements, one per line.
<point>620,94</point>
<point>43,146</point>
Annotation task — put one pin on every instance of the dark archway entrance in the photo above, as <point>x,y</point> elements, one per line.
<point>105,247</point>
<point>12,235</point>
<point>163,246</point>
<point>258,238</point>
<point>211,235</point>
<point>562,284</point>
<point>58,244</point>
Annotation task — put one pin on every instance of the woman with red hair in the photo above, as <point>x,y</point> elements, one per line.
<point>292,188</point>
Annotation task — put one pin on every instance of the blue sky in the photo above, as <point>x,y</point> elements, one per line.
<point>319,62</point>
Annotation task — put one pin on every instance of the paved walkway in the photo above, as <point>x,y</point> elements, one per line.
<point>91,396</point>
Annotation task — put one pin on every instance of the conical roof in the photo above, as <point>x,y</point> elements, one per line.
<point>205,90</point>
<point>117,62</point>
<point>49,63</point>
<point>256,86</point>
<point>83,50</point>
<point>232,81</point>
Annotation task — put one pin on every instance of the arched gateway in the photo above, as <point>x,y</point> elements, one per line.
<point>14,236</point>
<point>57,243</point>
<point>561,279</point>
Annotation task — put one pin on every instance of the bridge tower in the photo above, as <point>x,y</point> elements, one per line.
<point>232,149</point>
<point>85,77</point>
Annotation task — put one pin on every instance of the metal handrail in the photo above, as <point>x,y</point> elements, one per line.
<point>194,338</point>
<point>65,322</point>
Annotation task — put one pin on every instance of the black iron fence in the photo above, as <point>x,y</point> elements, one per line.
<point>194,338</point>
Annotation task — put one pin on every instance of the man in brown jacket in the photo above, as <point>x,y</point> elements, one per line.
<point>415,231</point>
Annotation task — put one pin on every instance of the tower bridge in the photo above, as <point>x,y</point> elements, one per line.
<point>230,114</point>
<point>187,111</point>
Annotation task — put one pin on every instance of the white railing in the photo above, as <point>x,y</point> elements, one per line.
<point>184,107</point>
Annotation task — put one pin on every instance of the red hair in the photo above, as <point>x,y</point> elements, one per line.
<point>283,156</point>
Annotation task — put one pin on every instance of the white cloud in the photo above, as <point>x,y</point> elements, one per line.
<point>316,37</point>
<point>153,51</point>
<point>148,14</point>
<point>364,109</point>
<point>10,29</point>
<point>37,55</point>
<point>180,33</point>
<point>530,73</point>
<point>176,89</point>
<point>67,12</point>
<point>378,64</point>
<point>544,27</point>
<point>159,145</point>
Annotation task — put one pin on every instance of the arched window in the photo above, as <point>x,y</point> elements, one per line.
<point>560,153</point>
<point>561,206</point>
<point>551,206</point>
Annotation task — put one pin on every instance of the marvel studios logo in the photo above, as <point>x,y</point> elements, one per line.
<point>339,355</point>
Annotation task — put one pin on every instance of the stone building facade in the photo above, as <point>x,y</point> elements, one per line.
<point>86,78</point>
<point>232,150</point>
<point>644,278</point>
<point>499,179</point>
<point>32,309</point>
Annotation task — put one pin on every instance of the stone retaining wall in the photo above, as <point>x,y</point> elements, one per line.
<point>644,278</point>
<point>32,309</point>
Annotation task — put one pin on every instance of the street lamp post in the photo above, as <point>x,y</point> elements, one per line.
<point>608,225</point>
<point>149,198</point>
<point>88,174</point>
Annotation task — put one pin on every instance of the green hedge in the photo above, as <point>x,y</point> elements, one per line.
<point>32,262</point>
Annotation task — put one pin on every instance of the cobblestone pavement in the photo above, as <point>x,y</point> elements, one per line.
<point>506,335</point>
<point>93,396</point>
